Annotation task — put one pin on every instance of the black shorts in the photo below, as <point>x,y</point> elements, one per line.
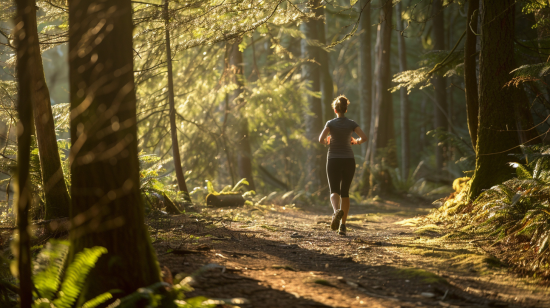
<point>340,173</point>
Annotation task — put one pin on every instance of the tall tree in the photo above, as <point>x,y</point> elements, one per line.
<point>403,96</point>
<point>365,68</point>
<point>244,153</point>
<point>315,168</point>
<point>173,128</point>
<point>55,189</point>
<point>107,208</point>
<point>439,82</point>
<point>26,55</point>
<point>382,132</point>
<point>327,85</point>
<point>470,71</point>
<point>496,137</point>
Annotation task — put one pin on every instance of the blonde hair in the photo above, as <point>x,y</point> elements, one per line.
<point>340,104</point>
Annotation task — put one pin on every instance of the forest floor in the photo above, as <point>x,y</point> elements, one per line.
<point>274,256</point>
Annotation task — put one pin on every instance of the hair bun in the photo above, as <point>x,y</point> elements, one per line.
<point>340,104</point>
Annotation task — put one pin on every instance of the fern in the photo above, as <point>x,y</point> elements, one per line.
<point>98,300</point>
<point>76,275</point>
<point>48,267</point>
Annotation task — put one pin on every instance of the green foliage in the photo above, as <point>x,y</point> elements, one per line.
<point>50,292</point>
<point>421,77</point>
<point>462,145</point>
<point>518,210</point>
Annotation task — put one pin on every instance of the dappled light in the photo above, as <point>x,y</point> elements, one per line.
<point>274,153</point>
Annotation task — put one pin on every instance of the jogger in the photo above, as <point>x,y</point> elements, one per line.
<point>341,161</point>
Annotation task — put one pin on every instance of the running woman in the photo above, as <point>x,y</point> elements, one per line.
<point>340,162</point>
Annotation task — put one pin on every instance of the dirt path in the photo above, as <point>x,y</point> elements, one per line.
<point>281,257</point>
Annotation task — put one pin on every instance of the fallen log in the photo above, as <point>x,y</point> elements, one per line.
<point>171,207</point>
<point>225,200</point>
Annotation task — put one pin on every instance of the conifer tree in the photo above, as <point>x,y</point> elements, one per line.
<point>107,209</point>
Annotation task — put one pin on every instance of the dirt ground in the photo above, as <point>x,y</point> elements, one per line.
<point>273,256</point>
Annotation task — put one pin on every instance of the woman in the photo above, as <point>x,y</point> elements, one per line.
<point>340,162</point>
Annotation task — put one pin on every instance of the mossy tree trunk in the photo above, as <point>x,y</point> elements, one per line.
<point>439,82</point>
<point>55,188</point>
<point>106,208</point>
<point>381,146</point>
<point>470,71</point>
<point>365,81</point>
<point>242,138</point>
<point>404,116</point>
<point>497,136</point>
<point>171,101</point>
<point>316,158</point>
<point>26,55</point>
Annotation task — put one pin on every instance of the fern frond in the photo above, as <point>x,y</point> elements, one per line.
<point>76,275</point>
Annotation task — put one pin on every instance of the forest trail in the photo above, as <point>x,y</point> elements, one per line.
<point>274,256</point>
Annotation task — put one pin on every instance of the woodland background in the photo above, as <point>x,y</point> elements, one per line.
<point>114,110</point>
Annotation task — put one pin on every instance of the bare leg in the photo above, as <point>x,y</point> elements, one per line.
<point>335,200</point>
<point>345,208</point>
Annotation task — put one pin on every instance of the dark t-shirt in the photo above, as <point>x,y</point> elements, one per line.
<point>340,137</point>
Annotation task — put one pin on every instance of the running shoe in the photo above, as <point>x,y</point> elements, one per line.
<point>342,230</point>
<point>336,217</point>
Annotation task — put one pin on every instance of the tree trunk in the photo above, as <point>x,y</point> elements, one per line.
<point>244,153</point>
<point>107,208</point>
<point>365,68</point>
<point>327,86</point>
<point>26,55</point>
<point>55,188</point>
<point>496,136</point>
<point>470,80</point>
<point>404,98</point>
<point>439,82</point>
<point>315,163</point>
<point>173,128</point>
<point>382,131</point>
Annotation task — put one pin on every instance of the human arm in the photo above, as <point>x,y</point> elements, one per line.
<point>323,136</point>
<point>362,136</point>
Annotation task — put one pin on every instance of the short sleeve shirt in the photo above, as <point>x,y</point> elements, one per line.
<point>340,137</point>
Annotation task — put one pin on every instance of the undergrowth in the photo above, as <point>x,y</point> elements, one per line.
<point>514,215</point>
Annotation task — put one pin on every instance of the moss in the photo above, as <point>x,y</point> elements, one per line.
<point>411,222</point>
<point>424,275</point>
<point>427,230</point>
<point>478,263</point>
<point>285,267</point>
<point>270,228</point>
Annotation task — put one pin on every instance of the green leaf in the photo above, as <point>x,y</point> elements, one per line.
<point>98,300</point>
<point>352,2</point>
<point>47,268</point>
<point>76,275</point>
<point>240,184</point>
<point>210,187</point>
<point>523,173</point>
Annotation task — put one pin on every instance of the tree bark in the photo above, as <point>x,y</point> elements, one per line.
<point>316,159</point>
<point>470,71</point>
<point>381,130</point>
<point>365,68</point>
<point>496,134</point>
<point>26,55</point>
<point>173,128</point>
<point>107,209</point>
<point>439,82</point>
<point>404,97</point>
<point>327,86</point>
<point>244,153</point>
<point>55,188</point>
